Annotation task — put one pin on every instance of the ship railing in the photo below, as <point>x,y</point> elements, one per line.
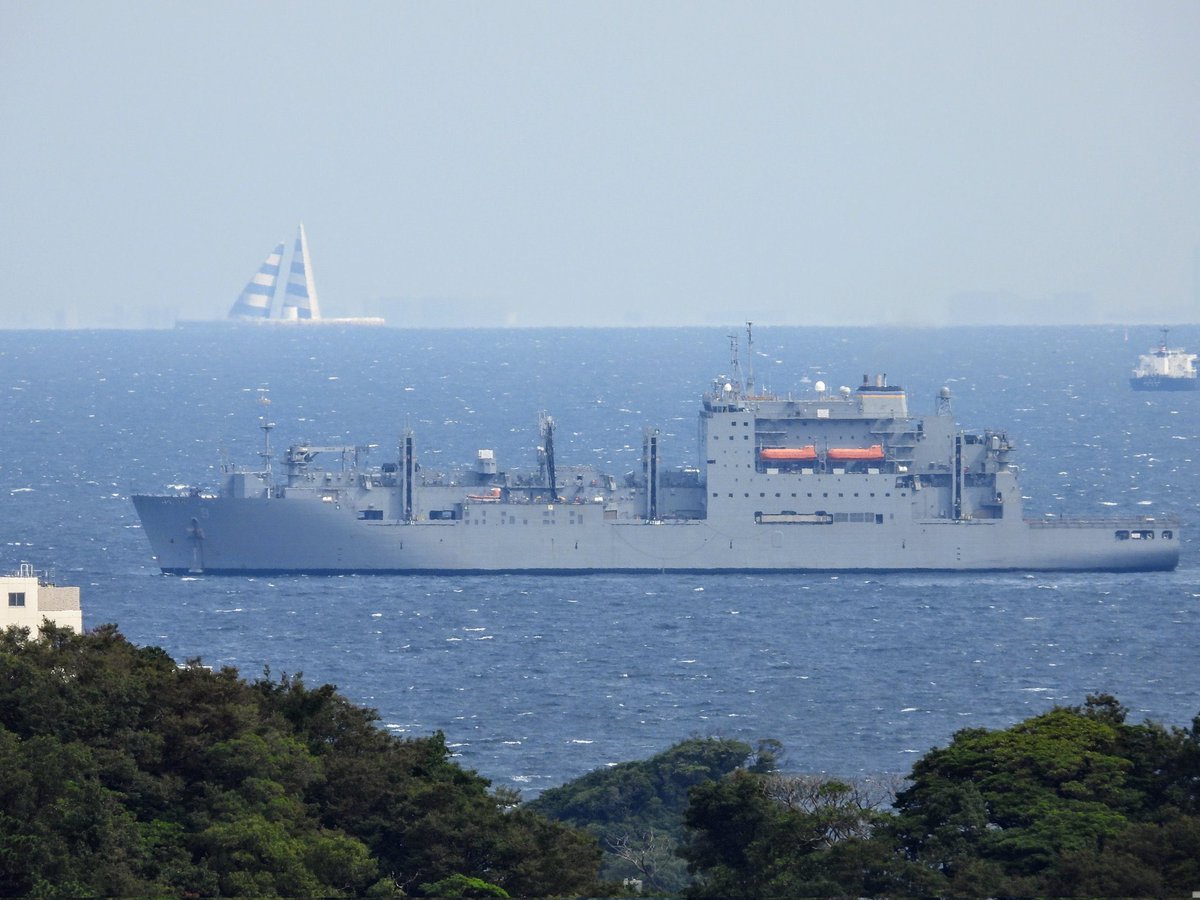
<point>1103,521</point>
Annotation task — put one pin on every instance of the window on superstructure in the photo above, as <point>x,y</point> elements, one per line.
<point>16,598</point>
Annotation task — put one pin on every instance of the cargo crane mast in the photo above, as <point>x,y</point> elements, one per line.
<point>266,425</point>
<point>408,469</point>
<point>547,429</point>
<point>650,464</point>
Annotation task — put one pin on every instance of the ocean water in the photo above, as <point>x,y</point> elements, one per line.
<point>535,680</point>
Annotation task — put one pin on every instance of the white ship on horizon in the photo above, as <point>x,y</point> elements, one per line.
<point>1165,369</point>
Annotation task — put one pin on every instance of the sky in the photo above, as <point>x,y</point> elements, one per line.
<point>604,163</point>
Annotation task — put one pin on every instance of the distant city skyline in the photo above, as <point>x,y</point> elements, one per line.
<point>534,164</point>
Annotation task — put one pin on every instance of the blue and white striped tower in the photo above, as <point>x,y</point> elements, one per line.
<point>300,296</point>
<point>259,293</point>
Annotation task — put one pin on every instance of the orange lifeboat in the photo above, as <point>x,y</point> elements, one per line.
<point>788,453</point>
<point>875,451</point>
<point>492,496</point>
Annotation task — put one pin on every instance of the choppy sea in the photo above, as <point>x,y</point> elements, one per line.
<point>536,680</point>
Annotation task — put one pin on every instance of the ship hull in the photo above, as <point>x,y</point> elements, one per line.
<point>259,536</point>
<point>844,481</point>
<point>1163,383</point>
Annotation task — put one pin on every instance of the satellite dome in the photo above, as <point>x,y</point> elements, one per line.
<point>819,387</point>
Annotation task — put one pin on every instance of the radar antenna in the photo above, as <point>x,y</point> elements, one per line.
<point>943,402</point>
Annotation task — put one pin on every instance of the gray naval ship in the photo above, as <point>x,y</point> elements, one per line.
<point>838,480</point>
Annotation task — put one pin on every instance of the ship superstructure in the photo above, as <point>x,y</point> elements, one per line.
<point>834,480</point>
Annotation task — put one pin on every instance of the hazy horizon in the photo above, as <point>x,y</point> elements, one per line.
<point>532,164</point>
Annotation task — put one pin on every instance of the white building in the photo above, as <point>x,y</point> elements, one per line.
<point>27,597</point>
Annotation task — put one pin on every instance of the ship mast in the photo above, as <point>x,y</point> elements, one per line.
<point>735,365</point>
<point>750,358</point>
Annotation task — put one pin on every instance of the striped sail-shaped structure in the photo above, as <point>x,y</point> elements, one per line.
<point>300,296</point>
<point>256,298</point>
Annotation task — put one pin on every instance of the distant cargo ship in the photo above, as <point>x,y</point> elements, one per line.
<point>837,480</point>
<point>255,304</point>
<point>1165,369</point>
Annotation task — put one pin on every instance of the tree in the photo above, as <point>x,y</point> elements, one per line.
<point>122,773</point>
<point>768,836</point>
<point>1074,798</point>
<point>635,809</point>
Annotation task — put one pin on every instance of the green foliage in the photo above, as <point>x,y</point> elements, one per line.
<point>635,809</point>
<point>1073,802</point>
<point>650,792</point>
<point>457,886</point>
<point>1054,791</point>
<point>123,774</point>
<point>768,836</point>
